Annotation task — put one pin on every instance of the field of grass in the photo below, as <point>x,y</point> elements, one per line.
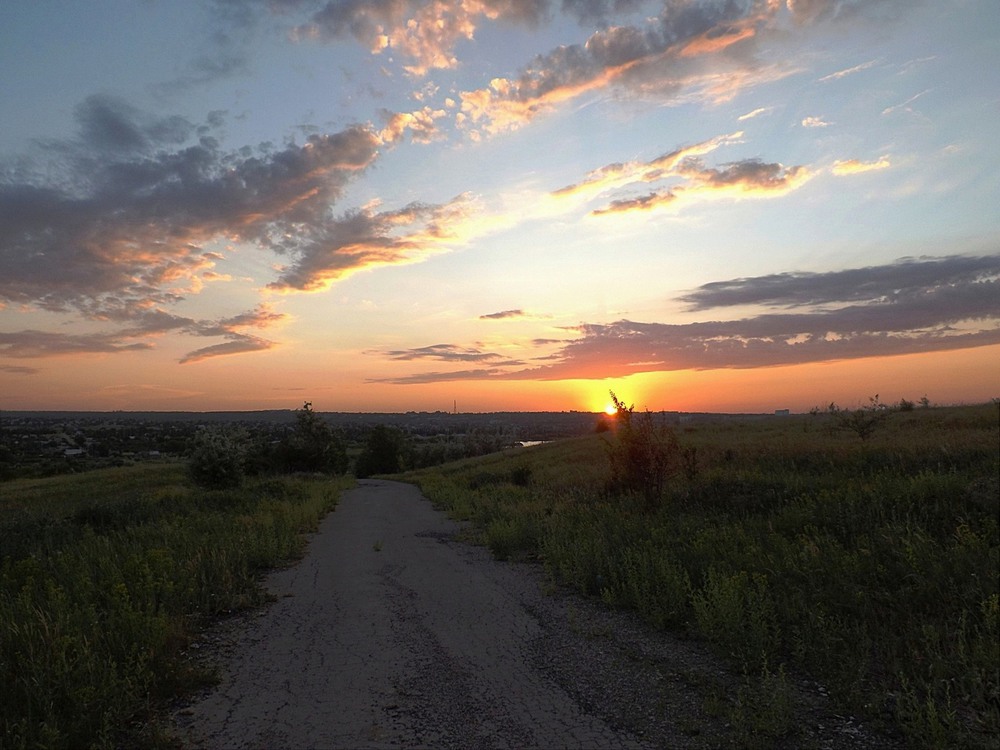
<point>107,575</point>
<point>870,566</point>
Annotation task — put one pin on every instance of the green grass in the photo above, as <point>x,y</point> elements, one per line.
<point>871,566</point>
<point>107,575</point>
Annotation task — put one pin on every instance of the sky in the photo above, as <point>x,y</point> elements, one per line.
<point>498,205</point>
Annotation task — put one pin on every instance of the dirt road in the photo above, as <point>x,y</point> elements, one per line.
<point>390,633</point>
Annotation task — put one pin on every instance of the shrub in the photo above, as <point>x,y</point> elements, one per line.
<point>217,459</point>
<point>644,455</point>
<point>864,420</point>
<point>382,452</point>
<point>313,447</point>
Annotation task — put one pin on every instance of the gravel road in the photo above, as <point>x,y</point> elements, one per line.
<point>392,633</point>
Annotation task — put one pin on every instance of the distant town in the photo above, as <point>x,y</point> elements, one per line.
<point>43,443</point>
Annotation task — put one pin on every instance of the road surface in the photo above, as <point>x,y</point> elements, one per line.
<point>391,633</point>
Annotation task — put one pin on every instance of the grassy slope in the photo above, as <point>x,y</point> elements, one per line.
<point>105,577</point>
<point>872,566</point>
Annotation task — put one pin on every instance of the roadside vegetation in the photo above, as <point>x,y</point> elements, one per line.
<point>107,576</point>
<point>792,546</point>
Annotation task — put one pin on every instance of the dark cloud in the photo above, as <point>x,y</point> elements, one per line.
<point>19,370</point>
<point>908,278</point>
<point>449,353</point>
<point>146,325</point>
<point>124,220</point>
<point>912,306</point>
<point>326,252</point>
<point>33,344</point>
<point>238,344</point>
<point>440,377</point>
<point>504,315</point>
<point>749,175</point>
<point>639,203</point>
<point>219,65</point>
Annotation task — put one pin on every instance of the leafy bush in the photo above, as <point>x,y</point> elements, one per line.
<point>218,458</point>
<point>644,455</point>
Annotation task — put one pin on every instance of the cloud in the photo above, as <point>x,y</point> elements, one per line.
<point>421,125</point>
<point>425,33</point>
<point>692,50</point>
<point>691,178</point>
<point>911,306</point>
<point>504,315</point>
<point>905,106</point>
<point>661,58</point>
<point>641,203</point>
<point>33,344</point>
<point>623,173</point>
<point>206,69</point>
<point>814,122</point>
<point>19,370</point>
<point>750,178</point>
<point>848,71</point>
<point>125,219</point>
<point>440,377</point>
<point>811,11</point>
<point>755,113</point>
<point>145,325</point>
<point>366,238</point>
<point>239,344</point>
<point>449,353</point>
<point>906,278</point>
<point>853,166</point>
<point>746,177</point>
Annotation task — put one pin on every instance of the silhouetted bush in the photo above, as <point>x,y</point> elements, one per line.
<point>382,452</point>
<point>644,455</point>
<point>312,447</point>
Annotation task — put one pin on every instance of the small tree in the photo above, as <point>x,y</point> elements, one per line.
<point>864,420</point>
<point>217,459</point>
<point>644,455</point>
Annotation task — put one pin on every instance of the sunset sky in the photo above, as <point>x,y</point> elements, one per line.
<point>393,205</point>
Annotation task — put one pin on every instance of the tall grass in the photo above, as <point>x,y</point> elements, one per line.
<point>106,576</point>
<point>873,566</point>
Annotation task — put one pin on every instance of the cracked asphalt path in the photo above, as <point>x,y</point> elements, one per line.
<point>389,633</point>
<point>392,633</point>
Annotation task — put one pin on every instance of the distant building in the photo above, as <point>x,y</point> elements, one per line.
<point>781,412</point>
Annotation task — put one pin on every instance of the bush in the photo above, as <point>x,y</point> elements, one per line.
<point>218,458</point>
<point>864,420</point>
<point>381,454</point>
<point>644,455</point>
<point>313,447</point>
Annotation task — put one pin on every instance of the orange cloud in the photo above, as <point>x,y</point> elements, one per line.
<point>853,166</point>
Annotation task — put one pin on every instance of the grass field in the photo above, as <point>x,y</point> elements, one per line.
<point>107,575</point>
<point>870,566</point>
